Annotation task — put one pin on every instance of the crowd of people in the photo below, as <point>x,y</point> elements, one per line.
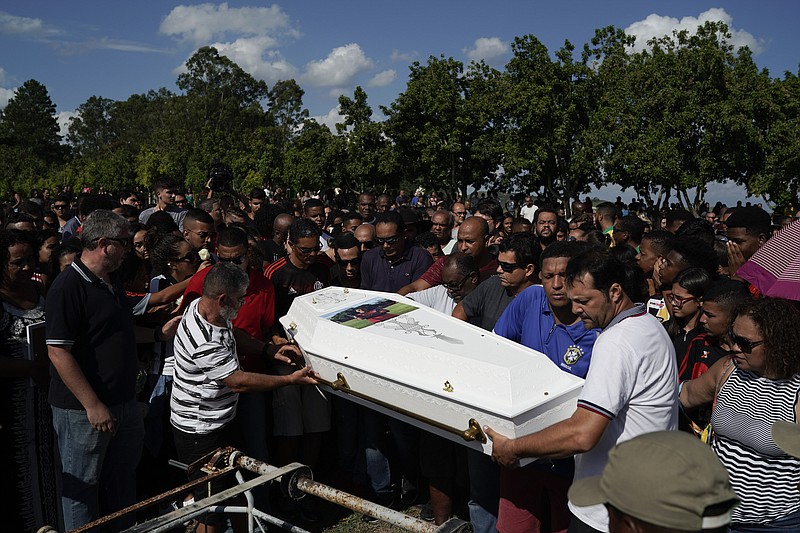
<point>160,315</point>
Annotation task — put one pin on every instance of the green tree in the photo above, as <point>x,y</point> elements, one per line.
<point>286,111</point>
<point>683,114</point>
<point>29,121</point>
<point>780,179</point>
<point>222,94</point>
<point>436,122</point>
<point>310,160</point>
<point>549,103</point>
<point>366,156</point>
<point>90,131</point>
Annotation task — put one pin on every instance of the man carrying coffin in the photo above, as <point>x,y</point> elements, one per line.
<point>631,387</point>
<point>534,498</point>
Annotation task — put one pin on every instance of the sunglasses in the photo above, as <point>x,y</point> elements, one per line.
<point>235,260</point>
<point>202,234</point>
<point>305,251</point>
<point>508,267</point>
<point>388,240</point>
<point>745,345</point>
<point>459,213</point>
<point>368,244</point>
<point>59,206</point>
<point>455,286</point>
<point>347,262</point>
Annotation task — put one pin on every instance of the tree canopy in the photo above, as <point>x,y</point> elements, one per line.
<point>685,112</point>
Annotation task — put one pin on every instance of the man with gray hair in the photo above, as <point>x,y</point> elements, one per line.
<point>91,342</point>
<point>208,377</point>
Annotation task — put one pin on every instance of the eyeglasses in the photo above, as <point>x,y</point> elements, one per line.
<point>305,251</point>
<point>59,206</point>
<point>138,244</point>
<point>508,267</point>
<point>202,234</point>
<point>745,345</point>
<point>191,257</point>
<point>235,260</point>
<point>459,213</point>
<point>388,240</point>
<point>455,286</point>
<point>678,302</point>
<point>124,242</point>
<point>346,262</point>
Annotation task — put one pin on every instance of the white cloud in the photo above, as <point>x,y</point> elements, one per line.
<point>254,55</point>
<point>657,26</point>
<point>382,79</point>
<point>202,23</point>
<point>11,24</point>
<point>63,119</point>
<point>5,96</point>
<point>404,57</point>
<point>487,48</point>
<point>339,68</point>
<point>331,119</point>
<point>249,36</point>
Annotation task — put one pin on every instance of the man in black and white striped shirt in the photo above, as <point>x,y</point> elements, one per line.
<point>208,378</point>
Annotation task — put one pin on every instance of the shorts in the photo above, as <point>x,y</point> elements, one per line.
<point>299,409</point>
<point>535,499</point>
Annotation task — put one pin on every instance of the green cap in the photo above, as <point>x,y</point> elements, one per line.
<point>667,478</point>
<point>787,436</point>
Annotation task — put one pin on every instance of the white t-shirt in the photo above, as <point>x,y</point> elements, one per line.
<point>528,212</point>
<point>633,381</point>
<point>435,298</point>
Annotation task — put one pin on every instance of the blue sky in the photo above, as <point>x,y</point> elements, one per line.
<point>115,49</point>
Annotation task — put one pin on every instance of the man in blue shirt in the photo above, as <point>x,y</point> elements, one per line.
<point>541,318</point>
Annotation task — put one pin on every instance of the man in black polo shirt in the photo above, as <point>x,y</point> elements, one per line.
<point>91,341</point>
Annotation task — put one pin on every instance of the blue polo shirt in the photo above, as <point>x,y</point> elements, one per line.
<point>378,273</point>
<point>529,321</point>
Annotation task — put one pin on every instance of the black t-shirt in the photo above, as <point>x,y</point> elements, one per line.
<point>83,313</point>
<point>290,282</point>
<point>276,251</point>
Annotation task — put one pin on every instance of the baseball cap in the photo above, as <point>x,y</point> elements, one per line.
<point>787,437</point>
<point>666,478</point>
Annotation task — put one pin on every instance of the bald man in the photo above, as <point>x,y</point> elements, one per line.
<point>473,237</point>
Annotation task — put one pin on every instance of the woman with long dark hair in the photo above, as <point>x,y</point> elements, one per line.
<point>757,385</point>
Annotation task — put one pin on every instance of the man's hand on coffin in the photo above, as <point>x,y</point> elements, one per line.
<point>502,449</point>
<point>304,376</point>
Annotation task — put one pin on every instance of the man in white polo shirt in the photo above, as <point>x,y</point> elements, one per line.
<point>631,388</point>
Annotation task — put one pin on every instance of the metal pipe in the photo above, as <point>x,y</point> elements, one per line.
<point>363,506</point>
<point>472,433</point>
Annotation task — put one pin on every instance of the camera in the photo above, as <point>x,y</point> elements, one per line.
<point>220,177</point>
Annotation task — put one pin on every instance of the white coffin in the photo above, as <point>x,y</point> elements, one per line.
<point>427,368</point>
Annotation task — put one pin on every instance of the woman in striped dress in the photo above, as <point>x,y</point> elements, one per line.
<point>754,387</point>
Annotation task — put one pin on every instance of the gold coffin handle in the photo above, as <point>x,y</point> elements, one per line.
<point>472,433</point>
